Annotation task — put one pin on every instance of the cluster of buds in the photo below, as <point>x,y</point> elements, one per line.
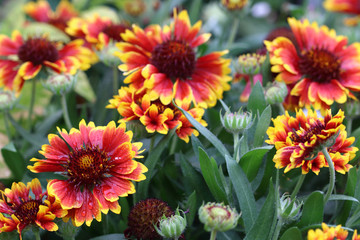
<point>289,209</point>
<point>234,5</point>
<point>171,227</point>
<point>249,64</point>
<point>218,217</point>
<point>236,122</point>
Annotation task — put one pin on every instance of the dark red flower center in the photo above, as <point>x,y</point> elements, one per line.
<point>174,58</point>
<point>87,166</point>
<point>315,129</point>
<point>27,211</point>
<point>319,65</point>
<point>114,31</point>
<point>38,50</point>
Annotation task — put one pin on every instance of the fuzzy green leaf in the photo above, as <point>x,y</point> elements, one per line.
<point>292,234</point>
<point>257,100</point>
<point>243,192</point>
<point>313,210</point>
<point>262,126</point>
<point>14,160</point>
<point>250,162</point>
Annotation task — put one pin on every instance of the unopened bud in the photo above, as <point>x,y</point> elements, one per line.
<point>7,99</point>
<point>289,209</point>
<point>171,227</point>
<point>236,122</point>
<point>218,217</point>
<point>249,63</point>
<point>60,83</point>
<point>276,93</point>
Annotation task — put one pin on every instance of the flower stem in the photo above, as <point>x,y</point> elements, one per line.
<point>281,109</point>
<point>236,147</point>
<point>331,173</point>
<point>32,102</point>
<point>233,31</point>
<point>277,229</point>
<point>115,80</point>
<point>298,186</point>
<point>6,122</point>
<point>349,124</point>
<point>37,234</point>
<point>213,235</point>
<point>65,111</point>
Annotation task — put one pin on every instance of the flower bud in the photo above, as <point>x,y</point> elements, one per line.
<point>218,217</point>
<point>7,99</point>
<point>276,93</point>
<point>134,7</point>
<point>234,5</point>
<point>236,122</point>
<point>107,56</point>
<point>60,83</point>
<point>171,227</point>
<point>249,63</point>
<point>288,209</point>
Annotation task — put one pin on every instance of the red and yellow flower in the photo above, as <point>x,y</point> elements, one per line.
<point>298,141</point>
<point>22,59</point>
<point>164,62</point>
<point>97,31</point>
<point>330,233</point>
<point>41,11</point>
<point>322,67</point>
<point>345,6</point>
<point>154,115</point>
<point>19,208</point>
<point>98,165</point>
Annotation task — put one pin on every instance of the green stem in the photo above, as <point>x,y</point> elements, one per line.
<point>115,80</point>
<point>349,125</point>
<point>298,186</point>
<point>32,102</point>
<point>65,111</point>
<point>233,31</point>
<point>331,173</point>
<point>106,224</point>
<point>281,109</point>
<point>236,147</point>
<point>36,233</point>
<point>277,229</point>
<point>213,235</point>
<point>6,122</point>
<point>152,142</point>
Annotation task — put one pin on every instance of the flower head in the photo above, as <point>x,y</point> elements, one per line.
<point>144,215</point>
<point>165,62</point>
<point>97,164</point>
<point>22,59</point>
<point>97,31</point>
<point>19,208</point>
<point>154,115</point>
<point>41,11</point>
<point>328,233</point>
<point>59,83</point>
<point>236,122</point>
<point>321,67</point>
<point>298,141</point>
<point>218,217</point>
<point>233,5</point>
<point>249,63</point>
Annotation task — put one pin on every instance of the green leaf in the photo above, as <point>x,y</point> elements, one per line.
<point>14,160</point>
<point>212,177</point>
<point>115,236</point>
<point>191,205</point>
<point>337,197</point>
<point>150,163</point>
<point>257,100</point>
<point>265,219</point>
<point>243,192</point>
<point>250,162</point>
<point>49,122</point>
<point>293,233</point>
<point>349,191</point>
<point>205,132</point>
<point>262,126</point>
<point>313,210</point>
<point>83,87</point>
<point>269,169</point>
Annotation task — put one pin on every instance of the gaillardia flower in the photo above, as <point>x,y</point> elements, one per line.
<point>97,31</point>
<point>299,140</point>
<point>19,208</point>
<point>329,233</point>
<point>144,215</point>
<point>98,166</point>
<point>345,6</point>
<point>321,66</point>
<point>22,59</point>
<point>41,11</point>
<point>154,115</point>
<point>165,62</point>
